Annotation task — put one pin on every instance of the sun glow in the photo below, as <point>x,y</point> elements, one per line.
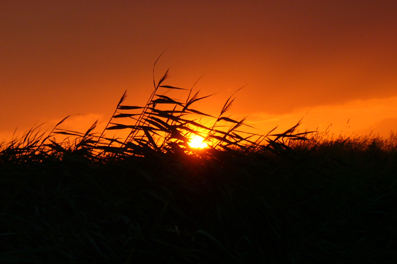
<point>197,142</point>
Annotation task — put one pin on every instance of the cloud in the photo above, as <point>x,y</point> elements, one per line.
<point>355,118</point>
<point>383,127</point>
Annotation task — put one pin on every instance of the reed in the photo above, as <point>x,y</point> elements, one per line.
<point>291,197</point>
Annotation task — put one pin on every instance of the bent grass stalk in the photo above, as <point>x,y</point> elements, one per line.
<point>163,125</point>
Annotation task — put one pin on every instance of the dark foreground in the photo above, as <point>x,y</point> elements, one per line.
<point>332,203</point>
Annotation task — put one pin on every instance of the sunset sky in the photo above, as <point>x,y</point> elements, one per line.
<point>332,62</point>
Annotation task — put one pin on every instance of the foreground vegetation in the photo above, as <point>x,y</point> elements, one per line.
<point>150,198</point>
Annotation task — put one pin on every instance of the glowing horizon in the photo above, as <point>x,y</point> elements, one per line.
<point>324,61</point>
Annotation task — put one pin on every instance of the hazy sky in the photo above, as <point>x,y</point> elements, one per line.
<point>334,62</point>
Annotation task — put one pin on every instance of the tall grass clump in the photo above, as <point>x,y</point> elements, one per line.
<point>148,197</point>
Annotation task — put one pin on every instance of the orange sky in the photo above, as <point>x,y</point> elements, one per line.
<point>333,62</point>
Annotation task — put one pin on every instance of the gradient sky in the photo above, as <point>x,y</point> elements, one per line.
<point>332,62</point>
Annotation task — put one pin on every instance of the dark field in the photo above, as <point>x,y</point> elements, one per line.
<point>279,198</point>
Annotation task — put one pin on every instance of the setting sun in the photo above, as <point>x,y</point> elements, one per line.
<point>197,142</point>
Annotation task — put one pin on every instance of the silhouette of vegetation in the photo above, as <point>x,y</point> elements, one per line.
<point>291,197</point>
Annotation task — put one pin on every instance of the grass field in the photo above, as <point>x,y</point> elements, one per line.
<point>150,198</point>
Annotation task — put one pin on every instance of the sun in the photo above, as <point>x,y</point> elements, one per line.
<point>197,142</point>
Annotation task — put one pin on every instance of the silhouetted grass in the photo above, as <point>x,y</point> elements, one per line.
<point>148,198</point>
